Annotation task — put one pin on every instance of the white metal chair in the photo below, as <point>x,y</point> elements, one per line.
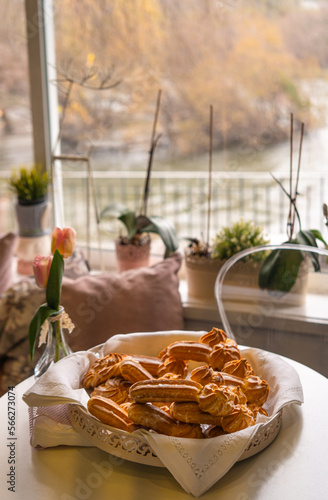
<point>293,323</point>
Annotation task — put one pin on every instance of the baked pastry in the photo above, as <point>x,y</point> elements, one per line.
<point>175,366</point>
<point>214,431</point>
<point>116,388</point>
<point>222,353</point>
<point>256,390</point>
<point>214,337</point>
<point>165,390</point>
<point>189,350</point>
<point>229,380</point>
<point>133,371</point>
<point>155,418</point>
<point>239,419</point>
<point>223,395</point>
<point>102,369</point>
<point>203,375</point>
<point>217,400</point>
<point>150,363</point>
<point>239,368</point>
<point>255,409</point>
<point>110,413</point>
<point>192,414</point>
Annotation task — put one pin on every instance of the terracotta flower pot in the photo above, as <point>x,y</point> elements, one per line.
<point>132,256</point>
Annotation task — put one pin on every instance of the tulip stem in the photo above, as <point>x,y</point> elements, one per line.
<point>58,341</point>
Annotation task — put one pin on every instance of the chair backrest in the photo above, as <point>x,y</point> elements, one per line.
<point>286,314</point>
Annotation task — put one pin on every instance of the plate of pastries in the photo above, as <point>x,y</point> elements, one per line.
<point>196,389</point>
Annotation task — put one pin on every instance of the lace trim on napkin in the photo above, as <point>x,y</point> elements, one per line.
<point>199,471</point>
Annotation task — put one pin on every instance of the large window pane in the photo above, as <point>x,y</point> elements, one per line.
<point>255,62</point>
<point>16,146</point>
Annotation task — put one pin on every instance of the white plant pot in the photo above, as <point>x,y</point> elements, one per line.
<point>240,282</point>
<point>201,273</point>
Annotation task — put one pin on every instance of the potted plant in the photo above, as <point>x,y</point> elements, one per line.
<point>203,263</point>
<point>31,187</point>
<point>285,271</point>
<point>133,247</point>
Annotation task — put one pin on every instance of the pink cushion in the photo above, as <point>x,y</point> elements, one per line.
<point>139,300</point>
<point>7,248</point>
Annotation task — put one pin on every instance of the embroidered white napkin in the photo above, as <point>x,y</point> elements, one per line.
<point>195,463</point>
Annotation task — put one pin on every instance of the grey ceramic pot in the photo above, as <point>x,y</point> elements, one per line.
<point>33,218</point>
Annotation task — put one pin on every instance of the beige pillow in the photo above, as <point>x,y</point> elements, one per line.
<point>140,300</point>
<point>7,248</point>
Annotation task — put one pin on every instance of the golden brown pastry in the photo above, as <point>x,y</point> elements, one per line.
<point>115,388</point>
<point>255,409</point>
<point>256,390</point>
<point>189,350</point>
<point>155,418</point>
<point>203,375</point>
<point>150,363</point>
<point>165,390</point>
<point>102,369</point>
<point>171,365</point>
<point>239,368</point>
<point>214,431</point>
<point>222,353</point>
<point>241,397</point>
<point>133,371</point>
<point>224,394</point>
<point>217,400</point>
<point>192,414</point>
<point>171,376</point>
<point>110,413</point>
<point>239,419</point>
<point>214,337</point>
<point>229,380</point>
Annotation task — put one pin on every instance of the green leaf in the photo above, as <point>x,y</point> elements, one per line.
<point>165,229</point>
<point>280,269</point>
<point>37,321</point>
<point>130,221</point>
<point>56,273</point>
<point>308,238</point>
<point>113,210</point>
<point>122,213</point>
<point>318,236</point>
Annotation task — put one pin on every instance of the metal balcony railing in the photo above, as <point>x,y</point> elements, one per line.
<point>182,197</point>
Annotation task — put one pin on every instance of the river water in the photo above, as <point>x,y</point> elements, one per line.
<point>268,208</point>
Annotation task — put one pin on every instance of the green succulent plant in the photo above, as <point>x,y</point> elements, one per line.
<point>239,236</point>
<point>29,184</point>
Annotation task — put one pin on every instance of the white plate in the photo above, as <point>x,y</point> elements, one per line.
<point>131,447</point>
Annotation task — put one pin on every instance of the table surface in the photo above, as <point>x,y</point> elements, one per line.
<point>293,466</point>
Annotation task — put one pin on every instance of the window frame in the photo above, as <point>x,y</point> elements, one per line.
<point>43,96</point>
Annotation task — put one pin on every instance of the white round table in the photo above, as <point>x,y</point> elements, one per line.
<point>293,466</point>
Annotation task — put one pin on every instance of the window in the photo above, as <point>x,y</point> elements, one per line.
<point>16,143</point>
<point>255,62</point>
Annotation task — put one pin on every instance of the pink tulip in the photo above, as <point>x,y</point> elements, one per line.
<point>41,269</point>
<point>63,240</point>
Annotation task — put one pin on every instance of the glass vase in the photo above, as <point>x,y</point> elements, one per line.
<point>56,344</point>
